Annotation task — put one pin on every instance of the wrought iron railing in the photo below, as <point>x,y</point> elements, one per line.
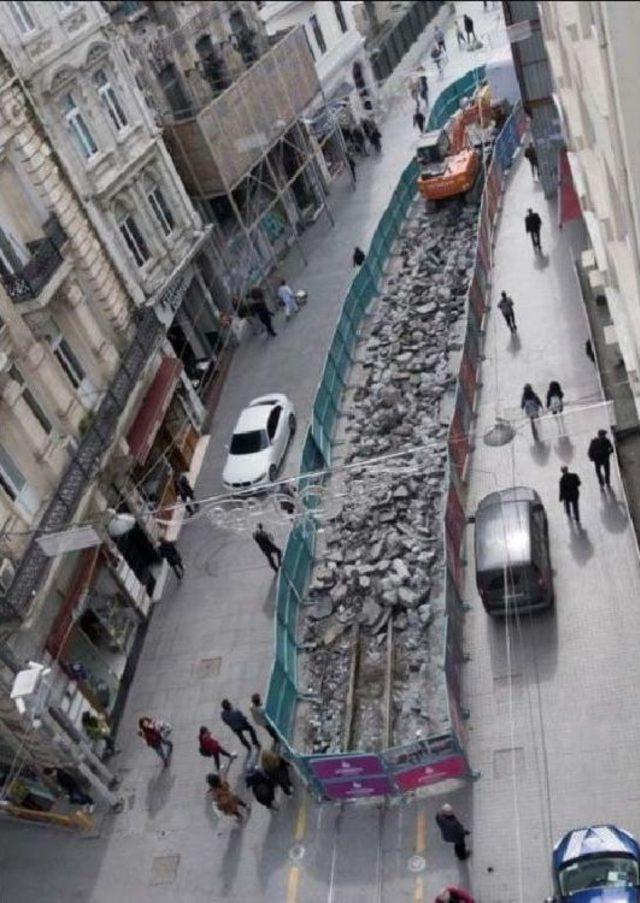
<point>83,468</point>
<point>28,282</point>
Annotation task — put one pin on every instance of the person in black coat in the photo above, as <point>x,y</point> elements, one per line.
<point>418,119</point>
<point>258,307</point>
<point>358,256</point>
<point>169,551</point>
<point>600,450</point>
<point>555,397</point>
<point>570,492</point>
<point>453,831</point>
<point>533,224</point>
<point>186,493</point>
<point>262,788</point>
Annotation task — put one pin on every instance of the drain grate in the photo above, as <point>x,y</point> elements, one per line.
<point>164,869</point>
<point>208,667</point>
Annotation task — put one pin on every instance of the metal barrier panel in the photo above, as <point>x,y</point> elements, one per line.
<point>350,775</point>
<point>458,438</point>
<point>425,762</point>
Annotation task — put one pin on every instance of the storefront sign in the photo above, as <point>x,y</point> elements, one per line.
<point>356,766</point>
<point>423,775</point>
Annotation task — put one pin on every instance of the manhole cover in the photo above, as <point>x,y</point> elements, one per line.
<point>164,869</point>
<point>208,667</point>
<point>296,852</point>
<point>417,864</point>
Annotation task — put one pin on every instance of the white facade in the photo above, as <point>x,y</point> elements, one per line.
<point>592,50</point>
<point>336,44</point>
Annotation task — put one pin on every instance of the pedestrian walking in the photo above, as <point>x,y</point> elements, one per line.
<point>276,769</point>
<point>268,547</point>
<point>533,224</point>
<point>155,734</point>
<point>423,89</point>
<point>570,492</point>
<point>359,141</point>
<point>97,729</point>
<point>209,746</point>
<point>555,397</point>
<point>532,156</point>
<point>436,56</point>
<point>588,350</point>
<point>453,831</point>
<point>237,722</point>
<point>262,787</point>
<point>600,450</point>
<point>454,895</point>
<point>439,36</point>
<point>71,787</point>
<point>259,717</point>
<point>468,27</point>
<point>375,137</point>
<point>460,36</point>
<point>531,405</point>
<point>506,307</point>
<point>169,551</point>
<point>287,299</point>
<point>418,119</point>
<point>258,307</point>
<point>352,167</point>
<point>225,800</point>
<point>287,498</point>
<point>358,256</point>
<point>186,493</point>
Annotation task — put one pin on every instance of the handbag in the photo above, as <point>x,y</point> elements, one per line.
<point>165,729</point>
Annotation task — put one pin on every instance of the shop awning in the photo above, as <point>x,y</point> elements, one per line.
<point>569,206</point>
<point>144,428</point>
<point>80,583</point>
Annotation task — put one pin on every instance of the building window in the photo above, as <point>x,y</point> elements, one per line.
<point>110,100</point>
<point>342,22</point>
<point>135,242</point>
<point>79,130</point>
<point>22,16</point>
<point>11,478</point>
<point>30,400</point>
<point>317,31</point>
<point>174,92</point>
<point>161,211</point>
<point>68,361</point>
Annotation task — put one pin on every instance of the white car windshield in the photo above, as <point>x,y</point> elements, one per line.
<point>598,871</point>
<point>249,443</point>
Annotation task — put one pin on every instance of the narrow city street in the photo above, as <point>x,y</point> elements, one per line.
<point>552,725</point>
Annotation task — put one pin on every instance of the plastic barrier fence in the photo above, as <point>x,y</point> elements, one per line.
<point>403,769</point>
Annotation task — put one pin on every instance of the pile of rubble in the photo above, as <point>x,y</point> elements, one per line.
<point>382,559</point>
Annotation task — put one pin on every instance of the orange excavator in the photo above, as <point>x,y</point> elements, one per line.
<point>450,163</point>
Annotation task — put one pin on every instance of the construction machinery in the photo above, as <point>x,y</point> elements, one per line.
<point>450,158</point>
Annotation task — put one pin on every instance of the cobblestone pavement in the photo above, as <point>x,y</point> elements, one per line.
<point>212,636</point>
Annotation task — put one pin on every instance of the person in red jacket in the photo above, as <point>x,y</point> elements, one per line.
<point>156,735</point>
<point>209,746</point>
<point>454,895</point>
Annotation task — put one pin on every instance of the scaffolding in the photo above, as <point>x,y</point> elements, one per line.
<point>253,146</point>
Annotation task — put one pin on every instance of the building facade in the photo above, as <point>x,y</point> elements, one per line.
<point>595,70</point>
<point>233,104</point>
<point>337,46</point>
<point>113,327</point>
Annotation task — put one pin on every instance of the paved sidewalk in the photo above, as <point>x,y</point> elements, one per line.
<point>554,724</point>
<point>211,636</point>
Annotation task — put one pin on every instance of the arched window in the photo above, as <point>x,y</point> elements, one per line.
<point>78,127</point>
<point>132,235</point>
<point>158,204</point>
<point>110,100</point>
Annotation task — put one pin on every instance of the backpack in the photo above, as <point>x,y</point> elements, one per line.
<point>531,407</point>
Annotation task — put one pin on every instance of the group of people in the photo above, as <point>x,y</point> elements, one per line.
<point>359,136</point>
<point>262,777</point>
<point>532,406</point>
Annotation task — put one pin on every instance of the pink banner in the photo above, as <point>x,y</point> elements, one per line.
<point>423,775</point>
<point>476,298</point>
<point>458,441</point>
<point>346,766</point>
<point>454,518</point>
<point>358,788</point>
<point>467,379</point>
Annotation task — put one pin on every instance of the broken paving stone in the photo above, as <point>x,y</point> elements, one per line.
<point>370,613</point>
<point>332,634</point>
<point>339,592</point>
<point>320,609</point>
<point>408,597</point>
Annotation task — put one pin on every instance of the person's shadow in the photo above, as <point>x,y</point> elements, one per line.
<point>514,343</point>
<point>581,545</point>
<point>540,452</point>
<point>158,791</point>
<point>231,859</point>
<point>613,513</point>
<point>564,448</point>
<point>541,261</point>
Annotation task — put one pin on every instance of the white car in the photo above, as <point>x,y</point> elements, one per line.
<point>259,442</point>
